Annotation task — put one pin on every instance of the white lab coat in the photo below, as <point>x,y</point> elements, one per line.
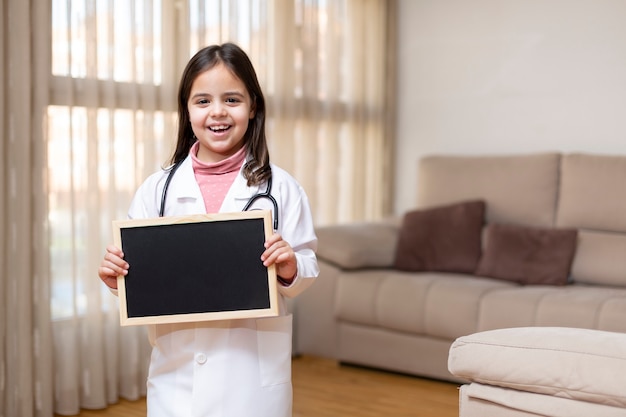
<point>230,368</point>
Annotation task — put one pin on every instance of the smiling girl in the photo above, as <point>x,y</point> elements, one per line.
<point>240,367</point>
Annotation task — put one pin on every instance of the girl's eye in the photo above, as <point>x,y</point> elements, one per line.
<point>232,100</point>
<point>203,101</point>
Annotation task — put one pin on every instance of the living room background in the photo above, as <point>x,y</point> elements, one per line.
<point>480,77</point>
<point>501,77</point>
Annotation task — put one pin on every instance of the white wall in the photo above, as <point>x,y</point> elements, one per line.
<point>508,76</point>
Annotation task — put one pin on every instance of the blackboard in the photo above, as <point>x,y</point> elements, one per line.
<point>195,268</point>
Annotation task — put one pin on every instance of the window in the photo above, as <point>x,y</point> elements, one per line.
<point>106,127</point>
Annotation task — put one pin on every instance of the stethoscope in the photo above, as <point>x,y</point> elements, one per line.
<point>266,194</point>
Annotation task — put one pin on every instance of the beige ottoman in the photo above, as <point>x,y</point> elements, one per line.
<point>541,371</point>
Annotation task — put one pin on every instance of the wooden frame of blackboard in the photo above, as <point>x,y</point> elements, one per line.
<point>195,268</point>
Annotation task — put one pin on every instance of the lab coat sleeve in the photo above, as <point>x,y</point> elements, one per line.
<point>300,282</point>
<point>296,227</point>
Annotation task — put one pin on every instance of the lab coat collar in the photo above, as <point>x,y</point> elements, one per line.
<point>184,184</point>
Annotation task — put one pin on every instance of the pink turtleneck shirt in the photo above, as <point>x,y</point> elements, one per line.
<point>215,179</point>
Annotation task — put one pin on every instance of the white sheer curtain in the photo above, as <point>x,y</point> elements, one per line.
<point>109,125</point>
<point>327,72</point>
<point>89,112</point>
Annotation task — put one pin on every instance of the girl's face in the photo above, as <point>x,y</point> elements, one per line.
<point>219,111</point>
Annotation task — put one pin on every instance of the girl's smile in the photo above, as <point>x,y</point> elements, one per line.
<point>220,109</point>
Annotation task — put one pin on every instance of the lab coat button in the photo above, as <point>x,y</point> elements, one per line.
<point>201,358</point>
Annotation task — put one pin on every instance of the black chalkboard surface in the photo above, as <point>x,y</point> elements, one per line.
<point>195,268</point>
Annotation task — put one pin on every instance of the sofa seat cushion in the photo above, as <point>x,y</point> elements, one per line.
<point>580,364</point>
<point>441,305</point>
<point>447,305</point>
<point>592,307</point>
<point>478,400</point>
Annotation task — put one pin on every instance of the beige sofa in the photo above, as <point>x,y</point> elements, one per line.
<point>364,311</point>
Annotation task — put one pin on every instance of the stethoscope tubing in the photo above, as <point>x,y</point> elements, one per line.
<point>267,194</point>
<point>167,186</point>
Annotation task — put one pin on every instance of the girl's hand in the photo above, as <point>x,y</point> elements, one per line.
<point>280,253</point>
<point>112,266</point>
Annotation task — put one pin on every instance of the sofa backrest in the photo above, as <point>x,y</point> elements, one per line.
<point>520,189</point>
<point>593,200</point>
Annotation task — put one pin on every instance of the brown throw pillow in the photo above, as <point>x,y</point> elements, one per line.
<point>444,239</point>
<point>528,255</point>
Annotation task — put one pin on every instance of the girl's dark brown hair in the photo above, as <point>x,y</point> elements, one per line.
<point>257,168</point>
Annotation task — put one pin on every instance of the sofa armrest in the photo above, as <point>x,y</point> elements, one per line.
<point>359,245</point>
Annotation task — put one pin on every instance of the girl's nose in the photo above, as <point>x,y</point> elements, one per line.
<point>218,109</point>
